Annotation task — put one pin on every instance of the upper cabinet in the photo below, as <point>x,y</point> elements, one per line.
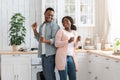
<point>82,11</point>
<point>86,12</point>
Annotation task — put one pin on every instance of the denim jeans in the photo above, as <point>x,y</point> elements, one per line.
<point>48,64</point>
<point>69,71</point>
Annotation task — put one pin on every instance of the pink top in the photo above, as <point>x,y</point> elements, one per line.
<point>61,42</point>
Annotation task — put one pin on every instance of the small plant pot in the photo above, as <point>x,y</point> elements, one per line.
<point>14,48</point>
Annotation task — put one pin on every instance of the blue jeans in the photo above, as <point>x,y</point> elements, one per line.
<point>70,70</point>
<point>48,64</point>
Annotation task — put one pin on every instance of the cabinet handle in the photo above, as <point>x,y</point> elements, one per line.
<point>35,67</point>
<point>89,61</point>
<point>89,72</point>
<point>16,55</point>
<point>96,78</point>
<point>14,77</point>
<point>107,59</point>
<point>107,67</point>
<point>117,61</point>
<point>17,77</point>
<point>96,56</point>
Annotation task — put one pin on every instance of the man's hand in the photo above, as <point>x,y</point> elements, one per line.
<point>34,26</point>
<point>42,39</point>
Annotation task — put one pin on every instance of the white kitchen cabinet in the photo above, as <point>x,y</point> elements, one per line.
<point>82,11</point>
<point>110,70</point>
<point>103,68</point>
<point>115,69</point>
<point>15,67</point>
<point>82,58</point>
<point>96,66</point>
<point>99,68</point>
<point>106,73</point>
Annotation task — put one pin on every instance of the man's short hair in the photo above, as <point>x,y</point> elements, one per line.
<point>49,8</point>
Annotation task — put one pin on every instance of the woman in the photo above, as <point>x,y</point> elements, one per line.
<point>66,40</point>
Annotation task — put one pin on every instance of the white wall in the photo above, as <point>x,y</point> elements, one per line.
<point>31,9</point>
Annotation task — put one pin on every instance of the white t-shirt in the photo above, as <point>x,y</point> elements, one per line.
<point>70,45</point>
<point>43,34</point>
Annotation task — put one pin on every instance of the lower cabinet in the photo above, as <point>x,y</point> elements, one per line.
<point>82,73</point>
<point>15,67</point>
<point>91,67</point>
<point>103,68</point>
<point>96,67</point>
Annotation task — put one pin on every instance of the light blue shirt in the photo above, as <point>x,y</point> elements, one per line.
<point>50,32</point>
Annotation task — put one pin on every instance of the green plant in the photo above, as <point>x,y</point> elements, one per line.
<point>17,29</point>
<point>116,44</point>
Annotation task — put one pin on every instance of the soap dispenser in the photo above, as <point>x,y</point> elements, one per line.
<point>88,41</point>
<point>97,42</point>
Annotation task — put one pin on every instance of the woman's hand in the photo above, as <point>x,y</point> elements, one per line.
<point>71,39</point>
<point>78,38</point>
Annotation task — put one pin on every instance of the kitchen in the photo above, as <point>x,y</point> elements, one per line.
<point>33,10</point>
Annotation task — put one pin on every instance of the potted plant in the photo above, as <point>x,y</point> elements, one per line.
<point>17,30</point>
<point>116,46</point>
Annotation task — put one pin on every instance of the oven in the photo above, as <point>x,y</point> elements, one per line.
<point>36,67</point>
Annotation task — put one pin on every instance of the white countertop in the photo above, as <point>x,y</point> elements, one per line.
<point>109,54</point>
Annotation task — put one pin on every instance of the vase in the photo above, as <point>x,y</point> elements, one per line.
<point>14,48</point>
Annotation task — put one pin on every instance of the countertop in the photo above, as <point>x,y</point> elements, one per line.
<point>4,52</point>
<point>108,54</point>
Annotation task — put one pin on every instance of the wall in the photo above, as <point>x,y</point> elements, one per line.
<point>31,9</point>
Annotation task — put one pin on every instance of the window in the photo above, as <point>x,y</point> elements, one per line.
<point>114,14</point>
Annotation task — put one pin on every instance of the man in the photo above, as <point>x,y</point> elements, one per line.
<point>46,48</point>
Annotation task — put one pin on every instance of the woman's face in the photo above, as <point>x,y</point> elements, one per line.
<point>66,23</point>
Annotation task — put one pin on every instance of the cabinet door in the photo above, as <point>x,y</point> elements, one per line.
<point>7,70</point>
<point>86,13</point>
<point>83,66</point>
<point>107,72</point>
<point>111,70</point>
<point>102,68</point>
<point>15,67</point>
<point>23,68</point>
<point>115,69</point>
<point>96,66</point>
<point>82,11</point>
<point>92,70</point>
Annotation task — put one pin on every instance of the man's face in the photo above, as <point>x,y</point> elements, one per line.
<point>49,15</point>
